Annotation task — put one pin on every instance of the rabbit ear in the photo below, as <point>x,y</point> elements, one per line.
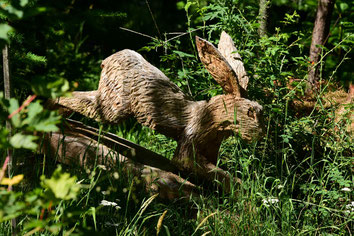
<point>228,50</point>
<point>218,67</point>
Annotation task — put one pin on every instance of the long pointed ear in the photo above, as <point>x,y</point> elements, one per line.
<point>228,50</point>
<point>218,67</point>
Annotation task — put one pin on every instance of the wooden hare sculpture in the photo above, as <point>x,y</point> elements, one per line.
<point>131,86</point>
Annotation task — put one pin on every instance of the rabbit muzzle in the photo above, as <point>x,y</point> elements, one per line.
<point>240,116</point>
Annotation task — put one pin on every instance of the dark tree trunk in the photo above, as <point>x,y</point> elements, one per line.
<point>263,17</point>
<point>319,36</point>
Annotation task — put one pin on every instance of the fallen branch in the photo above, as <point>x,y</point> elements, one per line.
<point>144,156</point>
<point>126,148</point>
<point>78,145</point>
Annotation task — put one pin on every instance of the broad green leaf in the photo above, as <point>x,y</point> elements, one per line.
<point>180,5</point>
<point>23,141</point>
<point>11,12</point>
<point>14,105</point>
<point>11,205</point>
<point>343,6</point>
<point>23,3</point>
<point>39,119</point>
<point>33,110</point>
<point>61,186</point>
<point>50,87</point>
<point>4,29</point>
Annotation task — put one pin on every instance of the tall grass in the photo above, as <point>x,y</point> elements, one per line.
<point>297,180</point>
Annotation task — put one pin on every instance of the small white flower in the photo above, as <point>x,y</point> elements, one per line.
<point>346,189</point>
<point>280,186</point>
<point>270,201</point>
<point>108,203</point>
<point>116,175</point>
<point>350,207</point>
<point>111,224</point>
<point>102,167</point>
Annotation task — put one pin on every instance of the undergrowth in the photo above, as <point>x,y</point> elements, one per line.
<point>297,180</point>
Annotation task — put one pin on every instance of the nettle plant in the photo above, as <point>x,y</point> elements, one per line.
<point>27,122</point>
<point>44,208</point>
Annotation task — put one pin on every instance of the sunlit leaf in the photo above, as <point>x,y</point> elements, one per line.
<point>39,119</point>
<point>4,29</point>
<point>23,3</point>
<point>11,11</point>
<point>14,105</point>
<point>61,186</point>
<point>343,6</point>
<point>23,141</point>
<point>50,87</point>
<point>12,181</point>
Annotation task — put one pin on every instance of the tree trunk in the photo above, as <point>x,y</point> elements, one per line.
<point>319,36</point>
<point>263,17</point>
<point>7,92</point>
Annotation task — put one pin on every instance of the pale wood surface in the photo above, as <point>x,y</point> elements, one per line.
<point>131,86</point>
<point>75,148</point>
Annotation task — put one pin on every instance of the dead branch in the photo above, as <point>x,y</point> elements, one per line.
<point>77,146</point>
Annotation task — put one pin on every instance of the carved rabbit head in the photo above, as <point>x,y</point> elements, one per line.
<point>231,112</point>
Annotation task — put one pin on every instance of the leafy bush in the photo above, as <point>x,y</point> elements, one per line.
<point>297,180</point>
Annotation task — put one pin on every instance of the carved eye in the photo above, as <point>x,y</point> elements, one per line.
<point>250,112</point>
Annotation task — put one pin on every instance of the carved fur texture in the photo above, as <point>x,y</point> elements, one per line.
<point>131,86</point>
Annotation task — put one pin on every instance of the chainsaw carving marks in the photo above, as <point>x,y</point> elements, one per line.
<point>131,86</point>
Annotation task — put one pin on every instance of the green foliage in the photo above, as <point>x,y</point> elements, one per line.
<point>4,29</point>
<point>10,205</point>
<point>23,141</point>
<point>56,191</point>
<point>10,11</point>
<point>60,186</point>
<point>292,170</point>
<point>26,121</point>
<point>297,180</point>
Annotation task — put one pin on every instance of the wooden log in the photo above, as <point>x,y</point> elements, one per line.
<point>74,148</point>
<point>202,174</point>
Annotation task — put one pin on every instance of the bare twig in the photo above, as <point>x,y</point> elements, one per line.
<point>153,18</point>
<point>185,33</point>
<point>26,103</point>
<point>179,34</point>
<point>135,32</point>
